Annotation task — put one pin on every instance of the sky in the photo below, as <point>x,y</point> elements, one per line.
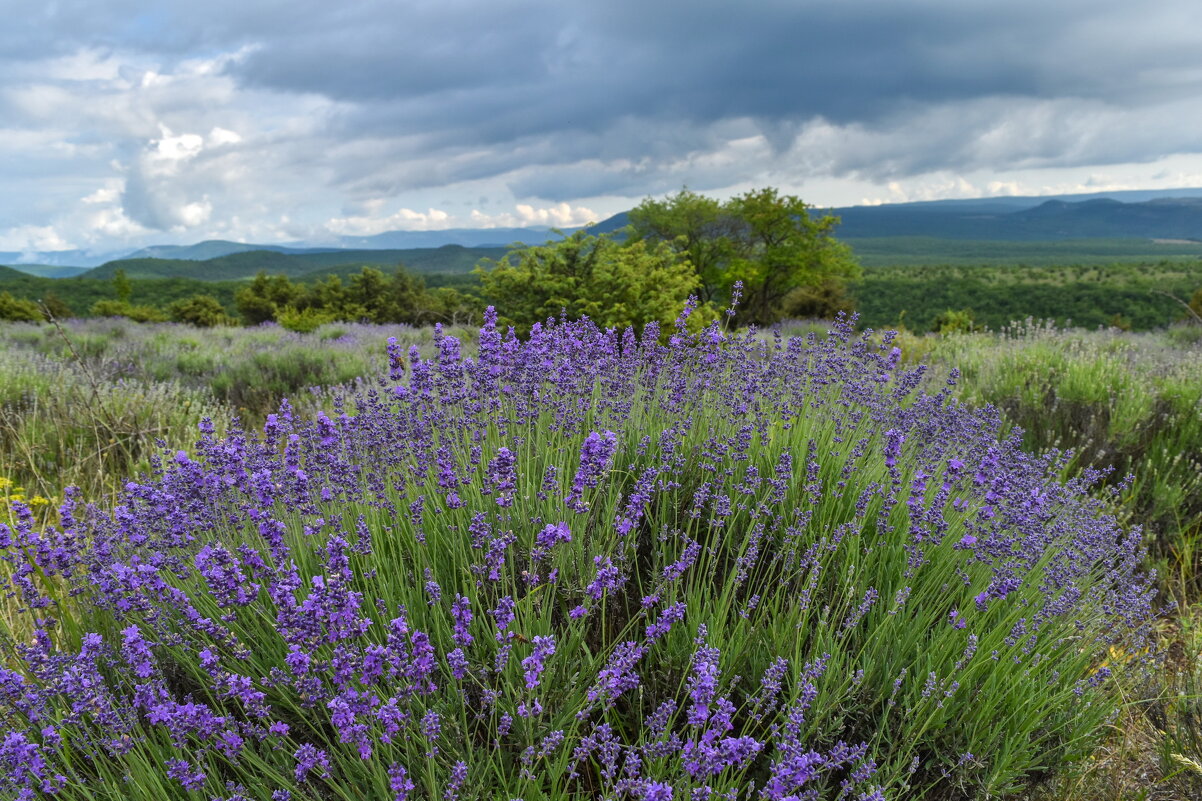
<point>125,123</point>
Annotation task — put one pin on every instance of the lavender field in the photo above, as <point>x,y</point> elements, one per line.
<point>820,563</point>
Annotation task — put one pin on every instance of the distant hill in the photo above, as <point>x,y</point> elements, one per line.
<point>611,224</point>
<point>1174,214</point>
<point>467,237</point>
<point>1016,219</point>
<point>8,274</point>
<point>50,270</point>
<point>244,265</point>
<point>1160,218</point>
<point>899,251</point>
<point>212,249</point>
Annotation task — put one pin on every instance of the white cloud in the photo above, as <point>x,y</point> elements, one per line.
<point>193,214</point>
<point>164,154</point>
<point>561,215</point>
<point>401,220</point>
<point>109,193</point>
<point>109,224</point>
<point>30,238</point>
<point>221,136</point>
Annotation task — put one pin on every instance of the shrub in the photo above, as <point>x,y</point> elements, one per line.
<point>18,310</point>
<point>123,308</point>
<point>61,425</point>
<point>305,321</point>
<point>616,285</point>
<point>955,321</point>
<point>202,311</point>
<point>581,565</point>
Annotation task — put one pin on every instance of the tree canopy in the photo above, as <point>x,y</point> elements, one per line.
<point>369,295</point>
<point>767,241</point>
<point>615,284</point>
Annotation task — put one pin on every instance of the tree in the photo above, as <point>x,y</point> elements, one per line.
<point>261,300</point>
<point>202,311</point>
<point>57,307</point>
<point>763,239</point>
<point>615,285</point>
<point>334,301</point>
<point>410,301</point>
<point>695,226</point>
<point>401,298</point>
<point>368,290</point>
<point>122,286</point>
<point>449,305</point>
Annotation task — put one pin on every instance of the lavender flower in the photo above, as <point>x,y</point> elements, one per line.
<point>399,782</point>
<point>533,665</point>
<point>262,625</point>
<point>461,610</point>
<point>310,759</point>
<point>502,477</point>
<point>595,455</point>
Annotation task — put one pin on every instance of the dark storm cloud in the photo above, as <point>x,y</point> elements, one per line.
<point>567,100</point>
<point>562,65</point>
<point>555,83</point>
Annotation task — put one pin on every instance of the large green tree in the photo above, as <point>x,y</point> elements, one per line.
<point>763,239</point>
<point>263,298</point>
<point>614,284</point>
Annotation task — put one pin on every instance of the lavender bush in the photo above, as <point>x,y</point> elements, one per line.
<point>584,564</point>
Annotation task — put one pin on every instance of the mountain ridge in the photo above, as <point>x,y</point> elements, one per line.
<point>1148,214</point>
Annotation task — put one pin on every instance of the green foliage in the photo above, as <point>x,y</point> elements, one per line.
<point>823,301</point>
<point>369,296</point>
<point>122,308</point>
<point>765,240</point>
<point>79,294</point>
<point>449,305</point>
<point>923,251</point>
<point>306,320</point>
<point>262,300</point>
<point>17,309</point>
<point>122,286</point>
<point>66,424</point>
<point>377,298</point>
<point>57,307</point>
<point>1195,303</point>
<point>202,311</point>
<point>955,321</point>
<point>695,226</point>
<point>1082,295</point>
<point>615,285</point>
